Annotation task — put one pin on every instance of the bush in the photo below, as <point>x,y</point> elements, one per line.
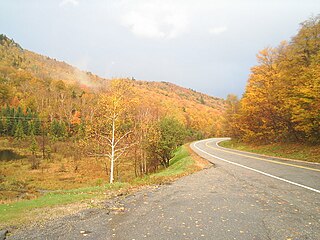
<point>35,162</point>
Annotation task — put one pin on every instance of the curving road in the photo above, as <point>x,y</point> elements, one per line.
<point>295,172</point>
<point>244,196</point>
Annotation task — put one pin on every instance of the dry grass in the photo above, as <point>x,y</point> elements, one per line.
<point>58,175</point>
<point>18,181</point>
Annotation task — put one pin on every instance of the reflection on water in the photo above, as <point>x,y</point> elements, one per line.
<point>7,155</point>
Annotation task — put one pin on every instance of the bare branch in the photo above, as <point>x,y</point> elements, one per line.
<point>123,136</point>
<point>109,140</point>
<point>99,155</point>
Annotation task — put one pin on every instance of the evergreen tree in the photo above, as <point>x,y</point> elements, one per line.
<point>1,127</point>
<point>9,121</point>
<point>58,130</point>
<point>37,125</point>
<point>19,133</point>
<point>25,125</point>
<point>19,113</point>
<point>34,145</point>
<point>31,128</point>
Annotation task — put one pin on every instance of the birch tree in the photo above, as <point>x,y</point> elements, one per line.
<point>113,123</point>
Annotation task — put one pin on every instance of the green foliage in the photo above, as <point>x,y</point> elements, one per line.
<point>179,164</point>
<point>5,41</point>
<point>58,130</point>
<point>12,118</point>
<point>35,87</point>
<point>202,100</point>
<point>37,125</point>
<point>31,128</point>
<point>19,210</point>
<point>19,133</point>
<point>34,145</point>
<point>1,127</point>
<point>172,135</point>
<point>47,152</point>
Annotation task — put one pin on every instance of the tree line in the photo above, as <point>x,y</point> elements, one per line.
<point>282,97</point>
<point>15,122</point>
<point>128,125</point>
<point>123,126</point>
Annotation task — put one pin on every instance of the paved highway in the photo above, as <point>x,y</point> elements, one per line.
<point>298,173</point>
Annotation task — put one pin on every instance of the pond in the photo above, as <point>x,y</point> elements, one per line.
<point>8,155</point>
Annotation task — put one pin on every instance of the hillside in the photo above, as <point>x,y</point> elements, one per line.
<point>25,75</point>
<point>198,111</point>
<point>12,55</point>
<point>62,122</point>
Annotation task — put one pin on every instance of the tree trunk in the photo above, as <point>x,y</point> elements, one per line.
<point>112,152</point>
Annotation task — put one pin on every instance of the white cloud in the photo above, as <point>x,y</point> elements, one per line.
<point>69,2</point>
<point>155,19</point>
<point>217,30</point>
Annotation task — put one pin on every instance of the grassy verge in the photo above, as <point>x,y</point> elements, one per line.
<point>308,153</point>
<point>183,163</point>
<point>18,212</point>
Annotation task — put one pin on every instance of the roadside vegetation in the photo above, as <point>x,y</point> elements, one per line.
<point>296,151</point>
<point>67,135</point>
<point>183,163</point>
<point>279,113</point>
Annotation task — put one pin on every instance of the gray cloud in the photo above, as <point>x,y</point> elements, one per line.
<point>68,2</point>
<point>207,45</point>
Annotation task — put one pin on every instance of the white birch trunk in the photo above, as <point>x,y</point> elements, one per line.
<point>112,151</point>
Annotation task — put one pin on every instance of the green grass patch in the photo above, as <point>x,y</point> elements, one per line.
<point>310,153</point>
<point>178,164</point>
<point>181,164</point>
<point>11,212</point>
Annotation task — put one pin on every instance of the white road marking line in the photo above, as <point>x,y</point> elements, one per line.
<point>255,170</point>
<point>244,154</point>
<point>262,155</point>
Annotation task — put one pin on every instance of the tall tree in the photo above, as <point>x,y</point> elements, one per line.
<point>19,133</point>
<point>172,135</point>
<point>113,123</point>
<point>281,101</point>
<point>232,124</point>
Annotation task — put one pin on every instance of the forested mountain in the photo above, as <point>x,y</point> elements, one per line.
<point>118,119</point>
<point>281,102</point>
<point>55,89</point>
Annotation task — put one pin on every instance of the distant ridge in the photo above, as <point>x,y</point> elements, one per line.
<point>24,74</point>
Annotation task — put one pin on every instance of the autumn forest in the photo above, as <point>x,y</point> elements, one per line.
<point>77,129</point>
<point>281,102</point>
<point>95,128</point>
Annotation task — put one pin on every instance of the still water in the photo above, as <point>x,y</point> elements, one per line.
<point>7,155</point>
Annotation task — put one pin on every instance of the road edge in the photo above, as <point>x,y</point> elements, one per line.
<point>264,155</point>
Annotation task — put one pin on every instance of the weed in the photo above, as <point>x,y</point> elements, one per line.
<point>16,212</point>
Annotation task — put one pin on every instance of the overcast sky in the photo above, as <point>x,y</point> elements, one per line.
<point>206,45</point>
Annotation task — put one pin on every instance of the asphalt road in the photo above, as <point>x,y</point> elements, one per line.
<point>244,196</point>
